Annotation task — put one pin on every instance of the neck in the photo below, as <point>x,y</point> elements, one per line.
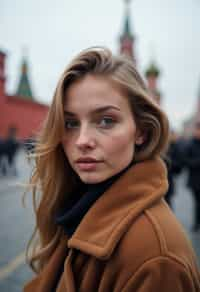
<point>109,180</point>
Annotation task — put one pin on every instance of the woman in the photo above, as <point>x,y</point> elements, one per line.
<point>101,221</point>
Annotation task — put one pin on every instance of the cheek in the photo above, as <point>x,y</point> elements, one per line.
<point>67,145</point>
<point>120,144</point>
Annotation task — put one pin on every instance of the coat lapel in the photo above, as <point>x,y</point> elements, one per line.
<point>112,214</point>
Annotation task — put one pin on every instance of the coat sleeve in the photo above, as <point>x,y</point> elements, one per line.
<point>161,274</point>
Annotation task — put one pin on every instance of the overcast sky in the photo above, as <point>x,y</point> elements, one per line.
<point>52,32</point>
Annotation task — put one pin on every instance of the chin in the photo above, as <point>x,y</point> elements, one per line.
<point>91,178</point>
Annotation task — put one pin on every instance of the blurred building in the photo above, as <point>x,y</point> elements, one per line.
<point>197,112</point>
<point>20,111</point>
<point>23,112</point>
<point>127,47</point>
<point>189,123</point>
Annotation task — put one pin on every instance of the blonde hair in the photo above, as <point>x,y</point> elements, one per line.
<point>53,180</point>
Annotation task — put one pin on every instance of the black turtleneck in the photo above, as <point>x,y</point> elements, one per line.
<point>80,203</point>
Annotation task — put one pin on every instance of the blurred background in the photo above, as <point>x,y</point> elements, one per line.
<point>38,39</point>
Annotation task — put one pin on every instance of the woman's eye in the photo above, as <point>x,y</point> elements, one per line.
<point>106,122</point>
<point>71,124</point>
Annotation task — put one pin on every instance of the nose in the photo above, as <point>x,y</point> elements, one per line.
<point>86,138</point>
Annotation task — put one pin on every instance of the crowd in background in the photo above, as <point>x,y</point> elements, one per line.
<point>9,148</point>
<point>183,155</point>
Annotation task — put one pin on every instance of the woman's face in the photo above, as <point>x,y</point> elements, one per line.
<point>100,130</point>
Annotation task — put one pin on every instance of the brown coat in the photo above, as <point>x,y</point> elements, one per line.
<point>128,241</point>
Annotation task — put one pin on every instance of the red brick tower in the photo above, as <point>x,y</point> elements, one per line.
<point>127,42</point>
<point>127,38</point>
<point>2,77</point>
<point>152,73</point>
<point>19,111</point>
<point>2,90</point>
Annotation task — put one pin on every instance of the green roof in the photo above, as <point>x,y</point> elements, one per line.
<point>152,70</point>
<point>24,87</point>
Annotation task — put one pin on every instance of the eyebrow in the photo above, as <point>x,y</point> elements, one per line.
<point>96,111</point>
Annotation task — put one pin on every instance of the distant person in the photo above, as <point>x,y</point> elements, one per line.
<point>174,163</point>
<point>11,145</point>
<point>102,222</point>
<point>2,158</point>
<point>192,161</point>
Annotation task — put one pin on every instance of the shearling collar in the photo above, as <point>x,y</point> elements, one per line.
<point>112,214</point>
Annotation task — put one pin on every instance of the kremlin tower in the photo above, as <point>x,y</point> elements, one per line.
<point>127,38</point>
<point>19,111</point>
<point>2,78</point>
<point>127,47</point>
<point>152,73</point>
<point>24,88</point>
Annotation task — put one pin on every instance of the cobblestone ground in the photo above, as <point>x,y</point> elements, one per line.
<point>16,225</point>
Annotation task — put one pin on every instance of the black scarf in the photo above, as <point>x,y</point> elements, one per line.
<point>70,217</point>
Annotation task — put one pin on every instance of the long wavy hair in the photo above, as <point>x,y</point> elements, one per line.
<point>53,181</point>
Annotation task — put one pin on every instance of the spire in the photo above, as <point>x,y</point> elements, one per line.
<point>127,26</point>
<point>127,38</point>
<point>24,87</point>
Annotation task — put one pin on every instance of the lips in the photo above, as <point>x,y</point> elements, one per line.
<point>87,163</point>
<point>86,160</point>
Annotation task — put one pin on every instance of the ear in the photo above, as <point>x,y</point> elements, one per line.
<point>140,137</point>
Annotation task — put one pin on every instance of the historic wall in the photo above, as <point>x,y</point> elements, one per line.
<point>26,116</point>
